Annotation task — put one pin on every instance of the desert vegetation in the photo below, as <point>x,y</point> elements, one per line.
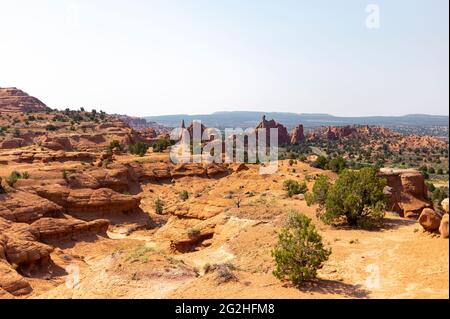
<point>300,251</point>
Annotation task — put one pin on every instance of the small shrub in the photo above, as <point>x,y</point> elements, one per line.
<point>300,251</point>
<point>3,129</point>
<point>139,254</point>
<point>319,191</point>
<point>112,145</point>
<point>294,187</point>
<point>25,175</point>
<point>223,272</point>
<point>193,232</point>
<point>438,195</point>
<point>430,186</point>
<point>303,158</point>
<point>51,127</point>
<point>64,175</point>
<point>161,145</point>
<point>337,164</point>
<point>184,195</point>
<point>13,178</point>
<point>159,206</point>
<point>138,148</point>
<point>320,162</point>
<point>356,196</point>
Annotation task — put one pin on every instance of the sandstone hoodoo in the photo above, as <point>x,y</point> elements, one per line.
<point>283,136</point>
<point>297,135</point>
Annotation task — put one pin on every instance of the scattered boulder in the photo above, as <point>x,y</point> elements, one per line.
<point>443,228</point>
<point>238,167</point>
<point>216,169</point>
<point>406,191</point>
<point>444,205</point>
<point>191,169</point>
<point>429,220</point>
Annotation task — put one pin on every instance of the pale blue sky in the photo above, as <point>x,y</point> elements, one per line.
<point>200,56</point>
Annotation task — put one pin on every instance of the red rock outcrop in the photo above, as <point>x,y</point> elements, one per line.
<point>28,156</point>
<point>283,137</point>
<point>24,248</point>
<point>120,178</point>
<point>297,135</point>
<point>443,227</point>
<point>12,143</point>
<point>406,192</point>
<point>87,201</point>
<point>429,220</point>
<point>191,169</point>
<point>57,143</point>
<point>19,251</point>
<point>24,207</point>
<point>49,230</point>
<point>15,100</point>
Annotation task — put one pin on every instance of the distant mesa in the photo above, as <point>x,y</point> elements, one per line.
<point>13,100</point>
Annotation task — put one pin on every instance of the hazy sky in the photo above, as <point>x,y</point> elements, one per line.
<point>200,56</point>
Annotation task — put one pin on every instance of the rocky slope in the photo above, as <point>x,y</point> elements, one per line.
<point>15,100</point>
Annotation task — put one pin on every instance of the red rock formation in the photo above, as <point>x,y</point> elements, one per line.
<point>297,135</point>
<point>120,178</point>
<point>429,220</point>
<point>443,227</point>
<point>87,201</point>
<point>15,100</point>
<point>49,230</point>
<point>283,136</point>
<point>12,143</point>
<point>24,207</point>
<point>25,247</point>
<point>407,193</point>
